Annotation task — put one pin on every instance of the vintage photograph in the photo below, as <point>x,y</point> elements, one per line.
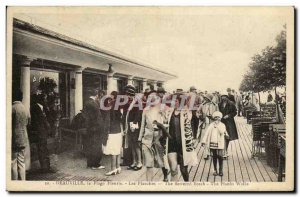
<point>150,99</point>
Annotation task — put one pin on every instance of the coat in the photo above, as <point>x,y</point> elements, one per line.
<point>20,120</point>
<point>188,150</point>
<point>215,133</point>
<point>94,125</point>
<point>230,110</point>
<point>40,128</point>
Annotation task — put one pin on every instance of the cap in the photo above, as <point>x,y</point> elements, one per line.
<point>217,114</point>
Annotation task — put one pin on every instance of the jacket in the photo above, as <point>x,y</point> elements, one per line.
<point>231,111</point>
<point>40,127</point>
<point>215,134</point>
<point>20,120</point>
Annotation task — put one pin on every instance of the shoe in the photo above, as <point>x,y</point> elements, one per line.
<point>215,173</point>
<point>206,158</point>
<point>49,170</point>
<point>131,167</point>
<point>98,168</point>
<point>137,168</point>
<point>220,173</point>
<point>119,170</point>
<point>113,172</point>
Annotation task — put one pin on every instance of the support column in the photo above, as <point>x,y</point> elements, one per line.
<point>25,81</point>
<point>130,80</point>
<point>78,91</point>
<point>154,85</point>
<point>145,86</point>
<point>111,83</point>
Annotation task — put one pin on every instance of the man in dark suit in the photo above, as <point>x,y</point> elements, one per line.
<point>95,127</point>
<point>40,129</point>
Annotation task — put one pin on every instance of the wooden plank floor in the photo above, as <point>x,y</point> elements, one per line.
<point>239,167</point>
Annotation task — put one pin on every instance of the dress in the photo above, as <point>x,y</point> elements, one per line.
<point>175,143</point>
<point>152,150</point>
<point>114,139</point>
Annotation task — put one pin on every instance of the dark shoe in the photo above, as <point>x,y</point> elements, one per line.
<point>137,168</point>
<point>49,170</point>
<point>220,173</point>
<point>206,158</point>
<point>131,167</point>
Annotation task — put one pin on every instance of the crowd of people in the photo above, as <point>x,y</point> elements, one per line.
<point>154,129</point>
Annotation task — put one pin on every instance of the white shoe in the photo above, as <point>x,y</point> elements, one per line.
<point>113,172</point>
<point>119,170</point>
<point>98,168</point>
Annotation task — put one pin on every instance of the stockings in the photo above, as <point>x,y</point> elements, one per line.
<point>217,158</point>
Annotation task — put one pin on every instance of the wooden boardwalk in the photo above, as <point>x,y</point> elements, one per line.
<point>239,167</point>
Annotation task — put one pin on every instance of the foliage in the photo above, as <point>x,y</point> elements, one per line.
<point>267,69</point>
<point>47,85</point>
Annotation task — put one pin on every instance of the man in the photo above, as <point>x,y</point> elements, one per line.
<point>239,103</point>
<point>215,98</point>
<point>20,120</point>
<point>228,109</point>
<point>95,131</point>
<point>197,102</point>
<point>40,128</point>
<point>230,96</point>
<point>270,97</point>
<point>205,112</point>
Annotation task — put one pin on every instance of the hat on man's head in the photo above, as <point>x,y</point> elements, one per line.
<point>228,89</point>
<point>225,95</point>
<point>192,88</point>
<point>160,90</point>
<point>217,114</point>
<point>130,90</point>
<point>208,96</point>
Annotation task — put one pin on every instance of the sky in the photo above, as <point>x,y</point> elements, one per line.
<point>206,48</point>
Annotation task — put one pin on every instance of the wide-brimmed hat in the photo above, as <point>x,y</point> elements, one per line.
<point>217,114</point>
<point>225,95</point>
<point>208,96</point>
<point>130,90</point>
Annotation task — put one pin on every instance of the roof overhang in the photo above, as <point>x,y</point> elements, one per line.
<point>47,45</point>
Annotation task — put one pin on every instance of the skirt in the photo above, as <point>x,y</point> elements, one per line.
<point>113,145</point>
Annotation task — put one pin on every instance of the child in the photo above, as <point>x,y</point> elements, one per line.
<point>214,138</point>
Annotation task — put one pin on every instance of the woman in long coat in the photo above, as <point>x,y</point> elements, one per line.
<point>180,145</point>
<point>228,110</point>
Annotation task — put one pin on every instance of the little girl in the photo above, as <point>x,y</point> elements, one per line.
<point>214,138</point>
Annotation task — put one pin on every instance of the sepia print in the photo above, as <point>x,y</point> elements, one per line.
<point>150,99</point>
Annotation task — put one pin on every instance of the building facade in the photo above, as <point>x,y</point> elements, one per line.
<point>74,67</point>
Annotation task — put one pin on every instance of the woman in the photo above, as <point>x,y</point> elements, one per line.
<point>205,114</point>
<point>113,144</point>
<point>150,136</point>
<point>228,110</point>
<point>180,144</point>
<point>132,116</point>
